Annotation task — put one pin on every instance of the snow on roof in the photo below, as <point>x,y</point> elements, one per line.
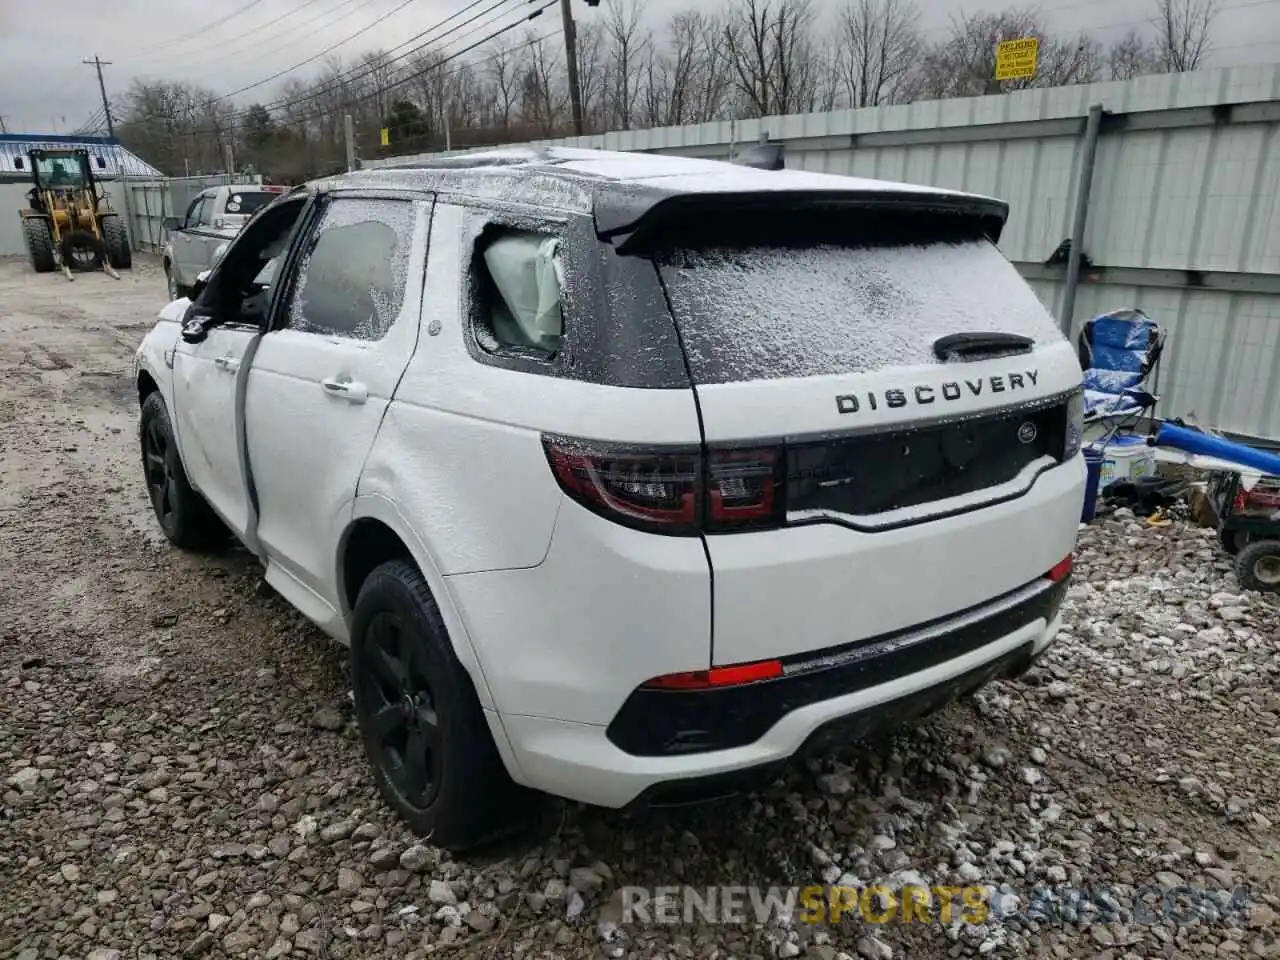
<point>106,155</point>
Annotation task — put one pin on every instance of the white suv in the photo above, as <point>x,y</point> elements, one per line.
<point>625,478</point>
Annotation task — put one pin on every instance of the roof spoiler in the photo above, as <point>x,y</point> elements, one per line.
<point>762,156</point>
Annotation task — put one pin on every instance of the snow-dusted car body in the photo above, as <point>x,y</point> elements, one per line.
<point>672,468</point>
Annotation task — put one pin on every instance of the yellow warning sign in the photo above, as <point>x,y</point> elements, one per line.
<point>1016,59</point>
<point>385,134</point>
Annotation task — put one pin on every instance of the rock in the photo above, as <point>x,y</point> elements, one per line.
<point>349,881</point>
<point>834,784</point>
<point>238,943</point>
<point>441,893</point>
<point>327,718</point>
<point>1038,756</point>
<point>310,941</point>
<point>479,922</point>
<point>788,949</point>
<point>103,953</point>
<point>1058,690</point>
<point>416,858</point>
<point>585,880</point>
<point>25,779</point>
<point>200,945</point>
<point>338,831</point>
<point>385,858</point>
<point>217,921</point>
<point>873,948</point>
<point>70,872</point>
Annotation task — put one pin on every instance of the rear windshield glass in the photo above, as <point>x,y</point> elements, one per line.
<point>769,312</point>
<point>243,203</point>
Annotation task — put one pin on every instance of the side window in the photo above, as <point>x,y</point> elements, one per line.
<point>206,211</point>
<point>193,213</point>
<point>351,282</point>
<point>517,285</point>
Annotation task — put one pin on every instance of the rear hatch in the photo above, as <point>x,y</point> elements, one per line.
<point>880,394</point>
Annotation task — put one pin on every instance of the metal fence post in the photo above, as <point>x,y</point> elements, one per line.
<point>1083,188</point>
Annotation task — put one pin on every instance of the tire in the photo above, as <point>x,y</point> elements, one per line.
<point>185,517</point>
<point>1258,566</point>
<point>81,251</point>
<point>1232,541</point>
<point>39,240</point>
<point>116,241</point>
<point>415,704</point>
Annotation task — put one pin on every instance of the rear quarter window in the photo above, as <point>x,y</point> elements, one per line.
<point>246,202</point>
<point>766,312</point>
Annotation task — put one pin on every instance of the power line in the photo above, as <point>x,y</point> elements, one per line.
<point>277,75</point>
<point>168,54</point>
<point>408,78</point>
<point>272,50</point>
<point>359,73</point>
<point>212,25</point>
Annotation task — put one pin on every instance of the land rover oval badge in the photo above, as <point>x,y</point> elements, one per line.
<point>1027,432</point>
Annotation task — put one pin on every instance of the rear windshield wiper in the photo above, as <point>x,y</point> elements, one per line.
<point>978,346</point>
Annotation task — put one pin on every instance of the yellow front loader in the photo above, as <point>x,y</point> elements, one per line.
<point>70,224</point>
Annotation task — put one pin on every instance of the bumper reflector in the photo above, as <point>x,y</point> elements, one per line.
<point>732,676</point>
<point>1061,570</point>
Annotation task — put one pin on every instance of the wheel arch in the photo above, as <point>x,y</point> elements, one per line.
<point>378,533</point>
<point>146,386</point>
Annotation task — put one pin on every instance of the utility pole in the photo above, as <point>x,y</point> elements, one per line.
<point>571,63</point>
<point>349,132</point>
<point>98,64</point>
<point>106,104</point>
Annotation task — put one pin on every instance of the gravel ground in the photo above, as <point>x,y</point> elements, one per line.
<point>179,773</point>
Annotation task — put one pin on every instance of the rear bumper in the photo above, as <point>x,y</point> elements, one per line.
<point>657,722</point>
<point>581,762</point>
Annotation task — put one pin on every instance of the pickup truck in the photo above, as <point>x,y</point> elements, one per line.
<point>212,220</point>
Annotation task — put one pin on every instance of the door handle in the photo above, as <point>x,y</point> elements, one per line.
<point>348,390</point>
<point>229,364</point>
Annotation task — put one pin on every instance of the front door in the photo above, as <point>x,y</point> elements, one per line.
<point>209,376</point>
<point>205,376</point>
<point>344,326</point>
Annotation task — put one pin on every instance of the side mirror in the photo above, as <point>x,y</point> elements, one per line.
<point>172,223</point>
<point>197,288</point>
<point>196,326</point>
<point>220,252</point>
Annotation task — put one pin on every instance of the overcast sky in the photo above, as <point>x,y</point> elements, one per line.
<point>44,87</point>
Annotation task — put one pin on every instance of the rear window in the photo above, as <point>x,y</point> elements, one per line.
<point>246,202</point>
<point>766,312</point>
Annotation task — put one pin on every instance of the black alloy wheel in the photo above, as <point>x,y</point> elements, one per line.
<point>404,723</point>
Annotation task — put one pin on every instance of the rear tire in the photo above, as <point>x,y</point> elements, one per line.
<point>1258,566</point>
<point>116,240</point>
<point>39,240</point>
<point>81,251</point>
<point>424,732</point>
<point>185,517</point>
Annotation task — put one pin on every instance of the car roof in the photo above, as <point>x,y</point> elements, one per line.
<point>628,184</point>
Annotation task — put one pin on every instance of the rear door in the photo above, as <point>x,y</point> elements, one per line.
<point>885,391</point>
<point>345,326</point>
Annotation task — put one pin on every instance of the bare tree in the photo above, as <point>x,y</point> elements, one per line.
<point>502,74</point>
<point>964,64</point>
<point>1184,32</point>
<point>1132,56</point>
<point>771,52</point>
<point>877,43</point>
<point>628,46</point>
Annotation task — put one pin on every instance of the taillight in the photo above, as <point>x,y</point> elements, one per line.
<point>1073,436</point>
<point>743,488</point>
<point>652,491</point>
<point>674,491</point>
<point>1061,570</point>
<point>732,676</point>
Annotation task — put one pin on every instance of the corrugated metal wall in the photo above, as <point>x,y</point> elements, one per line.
<point>1183,212</point>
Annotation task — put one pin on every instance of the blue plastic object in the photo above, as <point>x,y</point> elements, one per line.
<point>1119,350</point>
<point>1093,473</point>
<point>1192,441</point>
